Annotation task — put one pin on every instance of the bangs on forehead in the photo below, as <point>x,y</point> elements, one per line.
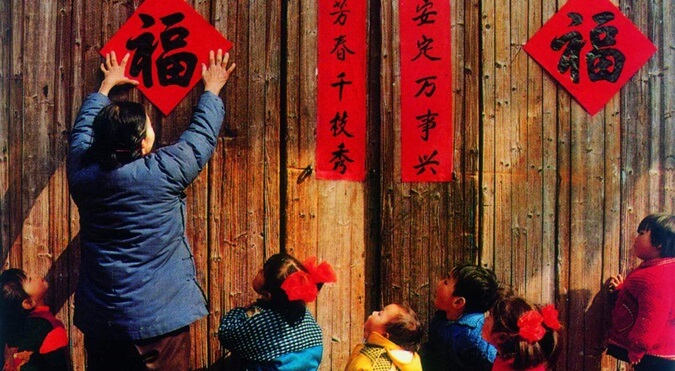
<point>647,224</point>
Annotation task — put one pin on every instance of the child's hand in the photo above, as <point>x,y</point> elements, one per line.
<point>217,73</point>
<point>114,73</point>
<point>614,282</point>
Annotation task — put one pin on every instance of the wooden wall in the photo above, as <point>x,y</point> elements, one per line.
<point>544,194</point>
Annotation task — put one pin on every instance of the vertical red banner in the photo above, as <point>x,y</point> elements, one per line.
<point>341,121</point>
<point>426,91</point>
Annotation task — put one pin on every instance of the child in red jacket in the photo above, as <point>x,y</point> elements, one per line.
<point>32,338</point>
<point>643,319</point>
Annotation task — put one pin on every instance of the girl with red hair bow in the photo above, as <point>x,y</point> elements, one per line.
<point>526,336</point>
<point>277,331</point>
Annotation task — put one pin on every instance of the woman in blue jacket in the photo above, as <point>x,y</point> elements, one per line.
<point>137,293</point>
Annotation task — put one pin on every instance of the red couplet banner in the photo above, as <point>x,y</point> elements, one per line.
<point>341,121</point>
<point>426,91</point>
<point>168,41</point>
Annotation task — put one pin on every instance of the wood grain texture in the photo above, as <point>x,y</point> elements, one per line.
<point>544,194</point>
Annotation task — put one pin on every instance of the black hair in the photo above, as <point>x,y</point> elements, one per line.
<point>477,285</point>
<point>12,296</point>
<point>275,270</point>
<point>662,228</point>
<point>405,329</point>
<point>119,128</point>
<point>510,345</point>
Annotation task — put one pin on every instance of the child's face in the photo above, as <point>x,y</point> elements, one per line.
<point>36,287</point>
<point>643,248</point>
<point>378,320</point>
<point>445,290</point>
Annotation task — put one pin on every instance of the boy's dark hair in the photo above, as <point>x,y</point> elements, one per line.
<point>405,329</point>
<point>477,285</point>
<point>119,128</point>
<point>525,355</point>
<point>662,226</point>
<point>12,296</point>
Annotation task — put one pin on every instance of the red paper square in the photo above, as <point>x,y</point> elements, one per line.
<point>596,34</point>
<point>168,41</point>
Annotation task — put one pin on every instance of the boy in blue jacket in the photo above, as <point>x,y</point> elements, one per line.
<point>455,340</point>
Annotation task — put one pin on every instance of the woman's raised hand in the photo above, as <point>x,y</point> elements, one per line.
<point>215,75</point>
<point>114,73</point>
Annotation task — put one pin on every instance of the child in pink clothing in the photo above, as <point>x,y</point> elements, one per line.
<point>643,320</point>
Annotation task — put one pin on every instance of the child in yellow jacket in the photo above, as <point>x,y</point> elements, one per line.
<point>392,338</point>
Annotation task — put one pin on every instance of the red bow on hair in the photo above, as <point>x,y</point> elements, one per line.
<point>529,325</point>
<point>301,285</point>
<point>550,315</point>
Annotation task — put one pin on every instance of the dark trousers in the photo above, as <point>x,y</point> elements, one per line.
<point>166,352</point>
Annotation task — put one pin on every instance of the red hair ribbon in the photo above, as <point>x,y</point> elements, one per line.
<point>550,315</point>
<point>302,285</point>
<point>530,323</point>
<point>530,328</point>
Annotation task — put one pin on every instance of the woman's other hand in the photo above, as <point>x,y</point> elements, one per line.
<point>215,75</point>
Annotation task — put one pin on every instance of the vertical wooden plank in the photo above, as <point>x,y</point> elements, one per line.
<point>38,110</point>
<point>271,143</point>
<point>220,194</point>
<point>302,189</point>
<point>667,53</point>
<point>341,243</point>
<point>61,278</point>
<point>522,191</point>
<point>197,231</point>
<point>16,105</point>
<point>396,196</point>
<point>535,270</point>
<point>564,230</point>
<point>549,172</point>
<point>77,33</point>
<point>504,143</point>
<point>587,193</point>
<point>5,115</point>
<point>488,174</point>
<point>467,72</point>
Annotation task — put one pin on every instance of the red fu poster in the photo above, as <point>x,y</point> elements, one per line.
<point>341,111</point>
<point>426,91</point>
<point>591,49</point>
<point>168,41</point>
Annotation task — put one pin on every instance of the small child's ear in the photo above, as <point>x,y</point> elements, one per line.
<point>28,304</point>
<point>459,302</point>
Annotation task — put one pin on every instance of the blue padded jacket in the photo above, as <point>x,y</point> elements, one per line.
<point>137,273</point>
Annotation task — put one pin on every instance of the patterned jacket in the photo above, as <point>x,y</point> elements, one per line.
<point>267,340</point>
<point>380,354</point>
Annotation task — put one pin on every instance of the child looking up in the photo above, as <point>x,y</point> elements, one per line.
<point>455,342</point>
<point>33,338</point>
<point>392,338</point>
<point>526,337</point>
<point>643,319</point>
<point>277,332</point>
